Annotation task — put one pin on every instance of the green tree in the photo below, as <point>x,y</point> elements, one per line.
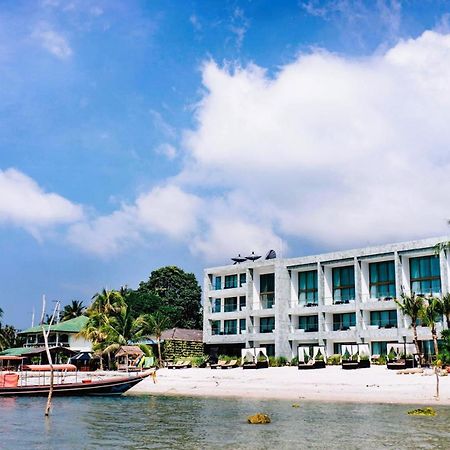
<point>107,301</point>
<point>72,310</point>
<point>157,323</point>
<point>180,296</point>
<point>412,306</point>
<point>445,300</point>
<point>8,337</point>
<point>429,315</point>
<point>121,328</point>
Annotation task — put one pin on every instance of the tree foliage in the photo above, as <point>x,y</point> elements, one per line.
<point>72,310</point>
<point>171,292</point>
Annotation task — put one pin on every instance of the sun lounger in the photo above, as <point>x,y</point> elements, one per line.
<point>350,365</point>
<point>218,365</point>
<point>230,364</point>
<point>306,366</point>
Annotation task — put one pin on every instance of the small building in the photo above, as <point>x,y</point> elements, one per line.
<point>128,357</point>
<point>62,334</point>
<point>179,343</point>
<point>63,340</point>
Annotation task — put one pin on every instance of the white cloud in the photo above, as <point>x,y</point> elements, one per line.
<point>333,150</point>
<point>168,150</point>
<point>24,203</point>
<point>53,42</point>
<point>164,211</point>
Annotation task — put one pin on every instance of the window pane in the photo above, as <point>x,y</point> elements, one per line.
<point>435,268</point>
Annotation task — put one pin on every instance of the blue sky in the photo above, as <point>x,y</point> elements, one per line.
<point>135,134</point>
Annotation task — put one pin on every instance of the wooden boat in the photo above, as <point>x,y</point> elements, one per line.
<point>9,386</point>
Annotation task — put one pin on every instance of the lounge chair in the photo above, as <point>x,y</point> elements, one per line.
<point>230,364</point>
<point>396,364</point>
<point>305,366</point>
<point>219,365</point>
<point>177,365</point>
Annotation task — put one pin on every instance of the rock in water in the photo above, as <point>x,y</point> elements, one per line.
<point>422,412</point>
<point>258,418</point>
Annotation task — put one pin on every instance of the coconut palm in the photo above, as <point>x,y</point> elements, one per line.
<point>72,310</point>
<point>122,328</point>
<point>411,306</point>
<point>106,301</point>
<point>94,332</point>
<point>157,323</point>
<point>429,315</point>
<point>445,302</point>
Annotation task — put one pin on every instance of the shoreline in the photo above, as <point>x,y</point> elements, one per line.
<point>332,384</point>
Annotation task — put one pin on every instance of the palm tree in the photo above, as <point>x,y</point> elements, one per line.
<point>430,314</point>
<point>94,332</point>
<point>107,301</point>
<point>122,328</point>
<point>72,310</point>
<point>445,302</point>
<point>157,323</point>
<point>411,306</point>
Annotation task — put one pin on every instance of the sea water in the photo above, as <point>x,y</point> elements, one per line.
<point>154,422</point>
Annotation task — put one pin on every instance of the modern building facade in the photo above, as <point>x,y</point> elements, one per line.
<point>329,299</point>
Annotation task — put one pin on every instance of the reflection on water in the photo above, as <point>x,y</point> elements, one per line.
<point>195,423</point>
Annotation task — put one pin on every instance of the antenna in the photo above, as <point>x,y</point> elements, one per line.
<point>43,310</point>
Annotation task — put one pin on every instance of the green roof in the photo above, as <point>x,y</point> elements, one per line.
<point>68,326</point>
<point>19,351</point>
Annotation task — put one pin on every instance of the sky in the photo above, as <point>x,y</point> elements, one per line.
<point>137,134</point>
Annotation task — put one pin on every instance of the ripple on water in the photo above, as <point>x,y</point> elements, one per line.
<point>147,422</point>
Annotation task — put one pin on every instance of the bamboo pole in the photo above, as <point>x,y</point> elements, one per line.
<point>49,357</point>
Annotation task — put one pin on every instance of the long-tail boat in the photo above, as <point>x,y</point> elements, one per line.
<point>21,384</point>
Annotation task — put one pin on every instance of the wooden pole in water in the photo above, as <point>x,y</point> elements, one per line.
<point>49,357</point>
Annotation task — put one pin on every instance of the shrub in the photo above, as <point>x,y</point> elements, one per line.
<point>198,361</point>
<point>364,358</point>
<point>294,361</point>
<point>334,360</point>
<point>281,361</point>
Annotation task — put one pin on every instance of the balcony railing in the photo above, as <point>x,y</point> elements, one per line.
<point>384,323</point>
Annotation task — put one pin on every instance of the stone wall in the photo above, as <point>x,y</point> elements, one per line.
<point>174,349</point>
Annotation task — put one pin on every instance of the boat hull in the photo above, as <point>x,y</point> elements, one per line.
<point>105,387</point>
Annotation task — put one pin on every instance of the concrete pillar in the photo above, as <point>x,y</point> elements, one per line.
<point>282,300</point>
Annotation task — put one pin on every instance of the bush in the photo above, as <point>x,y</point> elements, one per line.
<point>364,358</point>
<point>381,361</point>
<point>294,361</point>
<point>198,361</point>
<point>278,361</point>
<point>334,360</point>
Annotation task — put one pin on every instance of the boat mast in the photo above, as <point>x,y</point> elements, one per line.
<point>49,357</point>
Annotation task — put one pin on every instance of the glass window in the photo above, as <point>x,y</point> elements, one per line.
<point>242,302</point>
<point>242,279</point>
<point>343,284</point>
<point>382,279</point>
<point>230,326</point>
<point>308,323</point>
<point>384,319</point>
<point>307,287</point>
<point>218,283</point>
<point>242,325</point>
<point>343,321</point>
<point>230,281</point>
<point>215,327</point>
<point>425,275</point>
<point>215,305</point>
<point>267,290</point>
<point>270,349</point>
<point>230,304</point>
<point>266,324</point>
<point>379,348</point>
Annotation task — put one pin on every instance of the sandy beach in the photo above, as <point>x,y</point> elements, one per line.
<point>374,385</point>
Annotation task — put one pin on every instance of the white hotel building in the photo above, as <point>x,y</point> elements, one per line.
<point>329,299</point>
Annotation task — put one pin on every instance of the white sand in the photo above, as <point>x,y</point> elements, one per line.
<point>375,385</point>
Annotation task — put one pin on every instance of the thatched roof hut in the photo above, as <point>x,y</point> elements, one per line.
<point>132,351</point>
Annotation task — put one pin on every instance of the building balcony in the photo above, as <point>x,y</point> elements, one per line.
<point>375,304</point>
<point>347,334</point>
<point>379,333</point>
<point>305,308</point>
<point>340,307</point>
<point>224,338</point>
<point>299,334</point>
